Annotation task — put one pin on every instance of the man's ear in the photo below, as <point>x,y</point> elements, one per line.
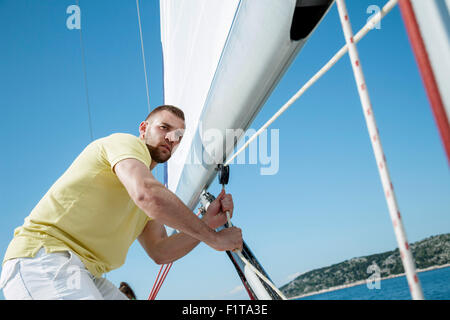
<point>143,128</point>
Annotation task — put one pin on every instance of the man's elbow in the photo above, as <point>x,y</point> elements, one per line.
<point>143,198</point>
<point>161,259</point>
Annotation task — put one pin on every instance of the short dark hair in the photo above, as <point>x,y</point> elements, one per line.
<point>176,111</point>
<point>126,289</point>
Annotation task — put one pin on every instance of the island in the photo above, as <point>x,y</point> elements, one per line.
<point>430,253</point>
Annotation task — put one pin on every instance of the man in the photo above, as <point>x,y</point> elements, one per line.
<point>108,197</point>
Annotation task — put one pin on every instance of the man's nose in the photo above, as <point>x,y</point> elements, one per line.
<point>172,137</point>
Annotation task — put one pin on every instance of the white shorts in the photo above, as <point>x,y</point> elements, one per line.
<point>54,276</point>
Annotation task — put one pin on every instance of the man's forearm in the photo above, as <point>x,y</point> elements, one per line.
<point>165,207</point>
<point>175,247</point>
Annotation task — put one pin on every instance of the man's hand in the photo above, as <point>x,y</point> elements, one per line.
<point>228,239</point>
<point>215,215</point>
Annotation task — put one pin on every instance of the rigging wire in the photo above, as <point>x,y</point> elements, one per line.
<point>144,64</point>
<point>363,32</point>
<point>158,281</point>
<point>83,62</point>
<point>143,55</point>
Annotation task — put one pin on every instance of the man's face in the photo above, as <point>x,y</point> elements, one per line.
<point>162,134</point>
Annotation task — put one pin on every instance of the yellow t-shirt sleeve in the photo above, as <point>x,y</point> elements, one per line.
<point>120,146</point>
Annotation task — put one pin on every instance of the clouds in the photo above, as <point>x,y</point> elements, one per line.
<point>236,293</point>
<point>236,290</point>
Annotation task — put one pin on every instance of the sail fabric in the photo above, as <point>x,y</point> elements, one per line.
<point>193,35</point>
<point>222,60</point>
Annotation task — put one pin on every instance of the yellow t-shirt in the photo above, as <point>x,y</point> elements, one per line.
<point>87,210</point>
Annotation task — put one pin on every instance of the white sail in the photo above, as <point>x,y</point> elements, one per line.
<point>191,51</point>
<point>222,59</point>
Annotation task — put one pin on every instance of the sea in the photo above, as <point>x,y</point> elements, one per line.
<point>435,285</point>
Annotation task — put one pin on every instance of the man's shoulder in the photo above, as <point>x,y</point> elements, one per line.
<point>119,138</point>
<point>122,136</point>
<point>118,146</point>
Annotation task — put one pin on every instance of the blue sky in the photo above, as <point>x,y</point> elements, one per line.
<point>324,205</point>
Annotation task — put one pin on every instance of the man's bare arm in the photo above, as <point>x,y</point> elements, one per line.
<point>163,249</point>
<point>164,206</point>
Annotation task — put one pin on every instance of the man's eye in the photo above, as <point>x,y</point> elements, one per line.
<point>163,127</point>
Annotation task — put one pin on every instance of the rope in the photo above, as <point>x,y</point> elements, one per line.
<point>85,81</point>
<point>154,284</point>
<point>258,273</point>
<point>143,55</point>
<point>363,32</point>
<point>166,271</point>
<point>407,258</point>
<point>159,281</point>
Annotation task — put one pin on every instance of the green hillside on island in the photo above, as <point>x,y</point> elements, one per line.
<point>430,252</point>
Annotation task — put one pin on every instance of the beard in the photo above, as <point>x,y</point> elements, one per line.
<point>158,154</point>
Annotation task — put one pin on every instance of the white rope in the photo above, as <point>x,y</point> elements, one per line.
<point>143,55</point>
<point>369,26</point>
<point>405,252</point>
<point>239,253</point>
